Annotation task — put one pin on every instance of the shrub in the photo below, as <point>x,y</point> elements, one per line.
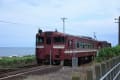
<point>107,53</point>
<point>75,78</point>
<point>16,61</point>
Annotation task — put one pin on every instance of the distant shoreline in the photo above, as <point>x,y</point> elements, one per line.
<point>16,51</point>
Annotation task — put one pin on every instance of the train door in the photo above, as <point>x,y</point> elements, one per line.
<point>48,50</point>
<point>70,44</point>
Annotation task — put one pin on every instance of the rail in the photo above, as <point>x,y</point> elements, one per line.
<point>112,74</point>
<point>40,70</point>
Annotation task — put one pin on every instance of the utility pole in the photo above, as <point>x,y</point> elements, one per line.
<point>94,35</point>
<point>63,20</point>
<point>118,21</point>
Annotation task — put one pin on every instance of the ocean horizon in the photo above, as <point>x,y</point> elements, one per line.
<point>16,51</point>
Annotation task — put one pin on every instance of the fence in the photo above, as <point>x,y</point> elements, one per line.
<point>108,70</point>
<point>113,72</point>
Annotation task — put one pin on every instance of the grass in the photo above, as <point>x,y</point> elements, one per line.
<point>75,78</point>
<point>16,61</point>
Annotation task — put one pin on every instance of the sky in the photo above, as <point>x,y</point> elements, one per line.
<point>21,19</point>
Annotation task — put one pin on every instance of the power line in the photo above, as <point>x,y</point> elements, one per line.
<point>2,21</point>
<point>94,35</point>
<point>9,22</point>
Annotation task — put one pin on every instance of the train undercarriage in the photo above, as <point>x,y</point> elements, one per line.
<point>66,62</point>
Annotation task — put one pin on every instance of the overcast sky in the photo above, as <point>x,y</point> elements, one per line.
<point>20,19</point>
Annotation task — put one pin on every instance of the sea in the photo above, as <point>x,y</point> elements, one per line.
<point>16,51</point>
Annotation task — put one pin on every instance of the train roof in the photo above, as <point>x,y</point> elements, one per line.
<point>65,34</point>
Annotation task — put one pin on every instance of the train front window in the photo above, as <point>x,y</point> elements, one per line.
<point>59,40</point>
<point>40,40</point>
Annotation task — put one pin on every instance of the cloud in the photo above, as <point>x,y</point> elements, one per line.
<point>48,9</point>
<point>84,16</point>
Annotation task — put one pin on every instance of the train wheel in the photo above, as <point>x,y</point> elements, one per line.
<point>56,62</point>
<point>67,62</point>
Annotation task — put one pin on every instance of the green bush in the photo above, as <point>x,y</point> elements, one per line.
<point>107,53</point>
<point>75,78</point>
<point>16,61</point>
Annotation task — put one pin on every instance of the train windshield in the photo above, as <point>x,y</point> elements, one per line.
<point>59,39</point>
<point>40,40</point>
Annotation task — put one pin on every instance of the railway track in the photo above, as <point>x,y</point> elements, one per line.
<point>7,70</point>
<point>19,74</point>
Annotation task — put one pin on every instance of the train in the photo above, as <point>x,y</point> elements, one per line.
<point>53,47</point>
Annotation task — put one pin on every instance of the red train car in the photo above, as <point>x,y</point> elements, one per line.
<point>53,47</point>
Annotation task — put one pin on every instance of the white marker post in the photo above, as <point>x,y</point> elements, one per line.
<point>50,58</point>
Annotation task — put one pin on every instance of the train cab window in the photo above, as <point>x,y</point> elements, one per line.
<point>48,40</point>
<point>40,40</point>
<point>59,40</point>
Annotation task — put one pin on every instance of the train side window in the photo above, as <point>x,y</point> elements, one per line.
<point>83,45</point>
<point>59,40</point>
<point>92,46</point>
<point>80,45</point>
<point>88,45</point>
<point>77,44</point>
